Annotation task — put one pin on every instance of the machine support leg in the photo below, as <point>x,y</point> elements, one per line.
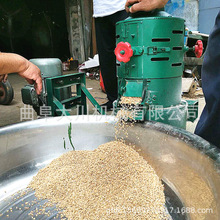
<point>92,100</point>
<point>60,107</point>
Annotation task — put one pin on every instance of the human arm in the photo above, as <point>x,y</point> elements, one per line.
<point>14,63</point>
<point>144,5</point>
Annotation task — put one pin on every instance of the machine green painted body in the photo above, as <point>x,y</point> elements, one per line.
<point>154,71</point>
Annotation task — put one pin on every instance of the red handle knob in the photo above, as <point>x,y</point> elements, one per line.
<point>199,48</point>
<point>123,52</point>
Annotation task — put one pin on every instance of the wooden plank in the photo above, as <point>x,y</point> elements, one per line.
<point>94,45</point>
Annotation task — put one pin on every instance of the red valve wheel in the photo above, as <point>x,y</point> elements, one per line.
<point>123,52</point>
<point>199,48</point>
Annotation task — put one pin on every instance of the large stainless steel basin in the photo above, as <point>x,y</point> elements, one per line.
<point>188,165</point>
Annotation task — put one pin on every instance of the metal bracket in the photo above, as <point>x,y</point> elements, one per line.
<point>137,51</point>
<point>193,107</point>
<point>145,92</point>
<point>92,100</point>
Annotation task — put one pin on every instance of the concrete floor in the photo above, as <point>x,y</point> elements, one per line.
<point>11,114</point>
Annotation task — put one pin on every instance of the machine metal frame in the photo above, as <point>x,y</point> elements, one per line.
<point>60,105</point>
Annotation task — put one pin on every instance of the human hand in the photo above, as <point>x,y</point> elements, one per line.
<point>144,5</point>
<point>33,75</point>
<point>3,78</point>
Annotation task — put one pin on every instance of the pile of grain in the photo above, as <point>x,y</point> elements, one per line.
<point>130,100</point>
<point>111,182</point>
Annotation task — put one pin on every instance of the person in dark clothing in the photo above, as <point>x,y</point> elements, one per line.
<point>208,126</point>
<point>106,43</point>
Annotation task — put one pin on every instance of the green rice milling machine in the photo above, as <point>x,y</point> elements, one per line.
<point>61,93</point>
<point>150,62</point>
